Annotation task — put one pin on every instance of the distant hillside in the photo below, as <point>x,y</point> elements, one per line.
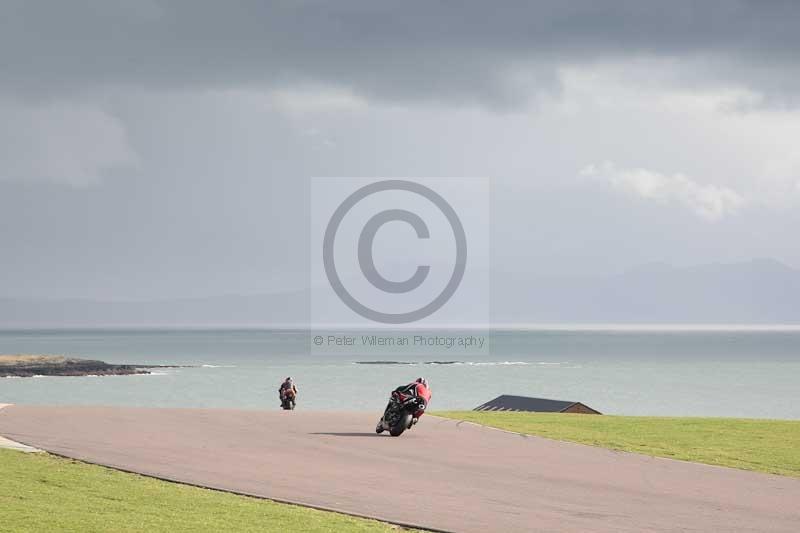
<point>758,292</point>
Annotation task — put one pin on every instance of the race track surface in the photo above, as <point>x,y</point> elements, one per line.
<point>442,474</point>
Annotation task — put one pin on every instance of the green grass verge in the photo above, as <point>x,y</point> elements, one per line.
<point>41,492</point>
<point>771,446</point>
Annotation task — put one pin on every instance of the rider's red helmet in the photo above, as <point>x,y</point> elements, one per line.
<point>422,381</point>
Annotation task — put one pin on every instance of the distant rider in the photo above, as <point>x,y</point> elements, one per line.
<point>419,389</point>
<point>286,387</point>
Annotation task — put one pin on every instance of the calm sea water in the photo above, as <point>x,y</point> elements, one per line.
<point>697,373</point>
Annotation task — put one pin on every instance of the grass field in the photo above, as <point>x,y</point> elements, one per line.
<point>30,359</point>
<point>40,492</point>
<point>771,446</point>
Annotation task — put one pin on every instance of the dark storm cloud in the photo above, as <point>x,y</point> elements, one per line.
<point>496,53</point>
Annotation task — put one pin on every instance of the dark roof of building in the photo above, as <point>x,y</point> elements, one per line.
<point>507,402</point>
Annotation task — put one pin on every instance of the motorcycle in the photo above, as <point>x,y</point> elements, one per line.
<point>402,412</point>
<point>288,400</point>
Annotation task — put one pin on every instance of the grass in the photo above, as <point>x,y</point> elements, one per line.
<point>771,446</point>
<point>41,492</point>
<point>19,359</point>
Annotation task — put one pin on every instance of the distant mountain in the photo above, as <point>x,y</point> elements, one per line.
<point>761,291</point>
<point>758,291</point>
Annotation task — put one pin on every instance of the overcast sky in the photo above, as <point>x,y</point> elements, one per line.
<point>156,149</point>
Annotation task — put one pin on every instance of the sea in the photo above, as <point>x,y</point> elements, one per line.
<point>660,371</point>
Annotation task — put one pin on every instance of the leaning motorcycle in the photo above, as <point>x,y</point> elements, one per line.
<point>400,414</point>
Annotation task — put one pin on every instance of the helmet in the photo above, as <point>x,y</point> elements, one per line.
<point>422,381</point>
<point>288,379</point>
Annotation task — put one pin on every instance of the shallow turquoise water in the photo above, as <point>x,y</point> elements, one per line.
<point>702,373</point>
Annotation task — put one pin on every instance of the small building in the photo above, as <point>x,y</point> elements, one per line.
<point>507,402</point>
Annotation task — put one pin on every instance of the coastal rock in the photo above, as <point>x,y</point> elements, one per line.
<point>53,365</point>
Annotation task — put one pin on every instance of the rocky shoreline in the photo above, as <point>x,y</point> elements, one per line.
<point>26,366</point>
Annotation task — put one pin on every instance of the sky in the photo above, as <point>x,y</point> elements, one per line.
<point>156,150</point>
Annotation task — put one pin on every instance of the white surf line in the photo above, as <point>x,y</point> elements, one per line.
<point>13,445</point>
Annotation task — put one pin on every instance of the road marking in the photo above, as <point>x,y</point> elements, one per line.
<point>13,445</point>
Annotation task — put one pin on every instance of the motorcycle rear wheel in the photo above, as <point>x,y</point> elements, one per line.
<point>403,422</point>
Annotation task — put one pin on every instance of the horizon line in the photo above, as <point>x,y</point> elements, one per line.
<point>578,326</point>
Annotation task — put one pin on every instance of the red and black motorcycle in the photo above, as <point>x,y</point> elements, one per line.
<point>402,412</point>
<point>288,400</point>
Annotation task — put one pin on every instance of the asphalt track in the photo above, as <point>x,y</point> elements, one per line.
<point>443,474</point>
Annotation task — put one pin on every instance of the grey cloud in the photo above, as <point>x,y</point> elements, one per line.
<point>455,52</point>
<point>196,127</point>
<point>70,144</point>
